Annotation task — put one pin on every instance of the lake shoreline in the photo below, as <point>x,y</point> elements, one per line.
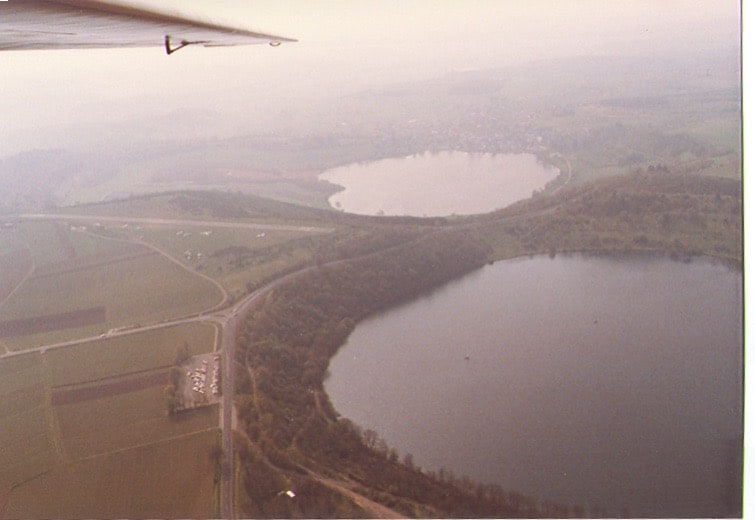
<point>438,183</point>
<point>573,221</point>
<point>361,383</point>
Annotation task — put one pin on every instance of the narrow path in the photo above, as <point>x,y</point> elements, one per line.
<point>372,507</point>
<point>188,269</point>
<point>152,247</point>
<point>53,426</point>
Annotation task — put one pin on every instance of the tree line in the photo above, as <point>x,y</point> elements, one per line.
<point>282,358</point>
<point>285,345</point>
<point>658,212</point>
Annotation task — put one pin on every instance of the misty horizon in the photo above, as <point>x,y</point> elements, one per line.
<point>192,239</point>
<point>343,49</point>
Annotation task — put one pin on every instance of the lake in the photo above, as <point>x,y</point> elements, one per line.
<point>438,184</point>
<point>614,384</point>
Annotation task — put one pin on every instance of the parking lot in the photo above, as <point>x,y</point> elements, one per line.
<point>200,384</point>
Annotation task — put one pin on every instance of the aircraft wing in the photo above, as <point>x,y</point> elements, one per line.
<point>83,24</point>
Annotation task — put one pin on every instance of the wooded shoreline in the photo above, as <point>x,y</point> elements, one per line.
<point>292,430</point>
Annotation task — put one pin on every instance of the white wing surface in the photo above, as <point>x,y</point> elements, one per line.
<point>82,24</point>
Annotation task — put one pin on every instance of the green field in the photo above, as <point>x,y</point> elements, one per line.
<point>80,452</point>
<point>232,257</point>
<point>134,284</point>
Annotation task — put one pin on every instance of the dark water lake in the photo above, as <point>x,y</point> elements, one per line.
<point>615,384</point>
<point>437,184</point>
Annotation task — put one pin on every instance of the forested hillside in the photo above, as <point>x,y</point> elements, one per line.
<point>293,436</point>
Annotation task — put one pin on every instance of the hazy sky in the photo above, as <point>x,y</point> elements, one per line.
<point>344,46</point>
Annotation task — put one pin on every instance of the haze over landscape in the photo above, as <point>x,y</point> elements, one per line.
<point>344,48</point>
<point>474,258</point>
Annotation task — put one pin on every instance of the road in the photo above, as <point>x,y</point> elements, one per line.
<point>228,319</point>
<point>227,509</point>
<point>171,222</point>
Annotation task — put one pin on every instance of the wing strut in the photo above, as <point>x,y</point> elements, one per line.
<point>170,50</point>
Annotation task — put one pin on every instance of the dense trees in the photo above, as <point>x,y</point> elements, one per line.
<point>287,342</point>
<point>647,212</point>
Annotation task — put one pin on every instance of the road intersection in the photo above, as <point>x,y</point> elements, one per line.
<point>226,319</point>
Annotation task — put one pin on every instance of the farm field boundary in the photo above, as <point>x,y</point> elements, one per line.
<point>121,385</point>
<point>53,322</point>
<point>122,484</point>
<point>89,263</point>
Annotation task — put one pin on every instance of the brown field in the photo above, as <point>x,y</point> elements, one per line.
<point>93,407</point>
<point>17,400</point>
<point>110,358</point>
<point>53,322</point>
<point>125,421</point>
<point>169,479</point>
<point>121,385</point>
<point>26,447</point>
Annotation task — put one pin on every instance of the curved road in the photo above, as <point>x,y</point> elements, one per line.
<point>227,319</point>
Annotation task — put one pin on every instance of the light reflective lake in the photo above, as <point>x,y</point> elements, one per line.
<point>438,184</point>
<point>614,384</point>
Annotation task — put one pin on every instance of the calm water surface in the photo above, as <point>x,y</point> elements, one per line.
<point>436,184</point>
<point>613,384</point>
